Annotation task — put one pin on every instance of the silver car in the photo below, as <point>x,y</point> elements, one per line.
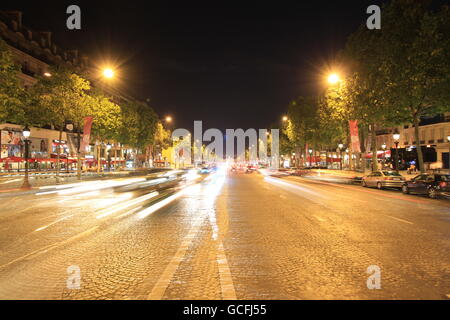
<point>383,179</point>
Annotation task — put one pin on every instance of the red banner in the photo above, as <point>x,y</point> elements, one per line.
<point>354,136</point>
<point>86,134</point>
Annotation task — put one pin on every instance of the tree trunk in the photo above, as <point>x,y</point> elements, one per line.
<point>350,154</point>
<point>418,147</point>
<point>364,139</point>
<point>373,146</point>
<point>122,162</point>
<point>99,161</point>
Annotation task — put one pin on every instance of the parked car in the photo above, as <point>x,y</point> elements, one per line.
<point>383,179</point>
<point>433,185</point>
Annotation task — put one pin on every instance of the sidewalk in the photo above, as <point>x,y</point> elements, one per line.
<point>13,183</point>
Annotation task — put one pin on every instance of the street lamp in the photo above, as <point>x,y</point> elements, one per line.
<point>310,151</point>
<point>384,146</point>
<point>285,118</point>
<point>341,147</point>
<point>333,78</point>
<point>169,119</point>
<point>448,139</point>
<point>108,73</point>
<point>26,133</point>
<point>396,137</point>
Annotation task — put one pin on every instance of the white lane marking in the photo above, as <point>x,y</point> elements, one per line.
<point>164,280</point>
<point>15,180</point>
<point>127,204</point>
<point>44,193</point>
<point>405,221</point>
<point>55,222</point>
<point>50,247</point>
<point>226,281</point>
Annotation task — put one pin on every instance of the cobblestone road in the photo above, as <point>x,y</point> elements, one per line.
<point>232,236</point>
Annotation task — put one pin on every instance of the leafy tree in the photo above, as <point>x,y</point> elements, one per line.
<point>416,63</point>
<point>13,96</point>
<point>61,99</point>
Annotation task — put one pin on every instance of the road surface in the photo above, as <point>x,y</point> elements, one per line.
<point>231,236</point>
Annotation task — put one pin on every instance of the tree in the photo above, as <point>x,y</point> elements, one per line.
<point>139,125</point>
<point>416,63</point>
<point>13,96</point>
<point>61,99</point>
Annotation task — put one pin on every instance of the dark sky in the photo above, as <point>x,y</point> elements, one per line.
<point>230,64</point>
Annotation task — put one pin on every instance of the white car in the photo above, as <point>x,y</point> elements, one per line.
<point>383,179</point>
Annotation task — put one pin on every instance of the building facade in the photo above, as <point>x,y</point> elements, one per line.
<point>36,52</point>
<point>433,133</point>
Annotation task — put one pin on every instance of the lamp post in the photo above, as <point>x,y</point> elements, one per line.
<point>108,148</point>
<point>310,151</point>
<point>26,133</point>
<point>383,146</point>
<point>341,147</point>
<point>448,139</point>
<point>396,137</point>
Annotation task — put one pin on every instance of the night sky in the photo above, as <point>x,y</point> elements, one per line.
<point>229,64</point>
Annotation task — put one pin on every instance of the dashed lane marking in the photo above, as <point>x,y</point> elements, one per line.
<point>53,223</point>
<point>319,218</point>
<point>405,221</point>
<point>164,280</point>
<point>50,247</point>
<point>226,281</point>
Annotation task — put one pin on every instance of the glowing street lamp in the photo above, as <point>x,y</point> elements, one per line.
<point>285,118</point>
<point>108,73</point>
<point>396,137</point>
<point>448,139</point>
<point>169,119</point>
<point>341,147</point>
<point>26,133</point>
<point>333,78</point>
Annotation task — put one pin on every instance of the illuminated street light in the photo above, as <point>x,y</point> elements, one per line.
<point>169,119</point>
<point>341,147</point>
<point>396,137</point>
<point>26,133</point>
<point>448,139</point>
<point>108,73</point>
<point>47,74</point>
<point>333,78</point>
<point>285,118</point>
